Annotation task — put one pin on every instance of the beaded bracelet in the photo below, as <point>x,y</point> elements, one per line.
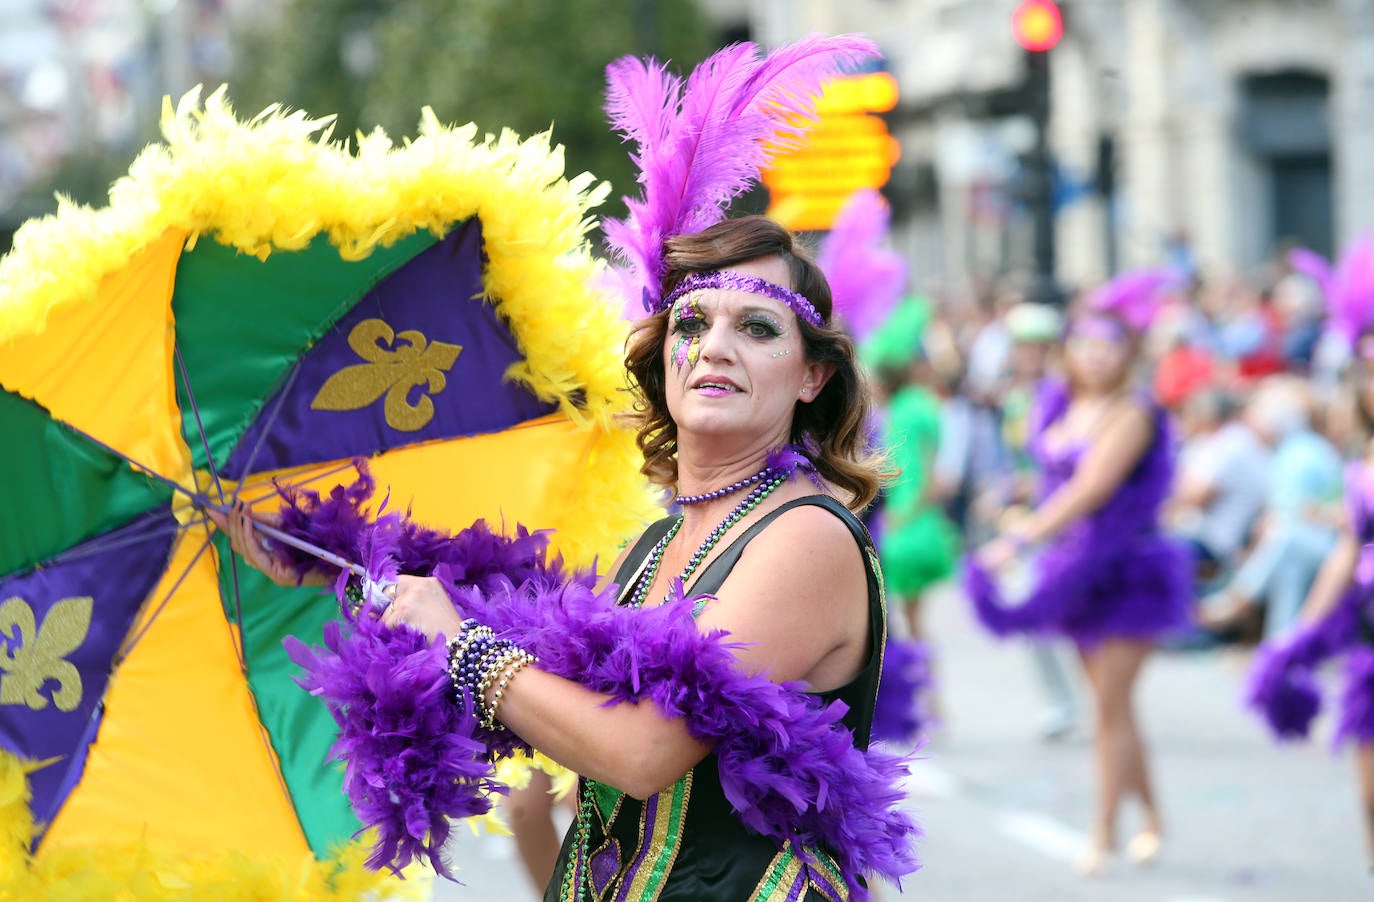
<point>500,664</point>
<point>477,660</point>
<point>514,667</point>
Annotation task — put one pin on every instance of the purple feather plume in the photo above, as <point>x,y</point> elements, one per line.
<point>414,759</point>
<point>866,277</point>
<point>1134,296</point>
<point>700,144</point>
<point>903,709</point>
<point>1348,288</point>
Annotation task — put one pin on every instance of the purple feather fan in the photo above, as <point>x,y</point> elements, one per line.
<point>1134,296</point>
<point>700,144</point>
<point>902,712</point>
<point>866,277</point>
<point>1348,289</point>
<point>414,759</point>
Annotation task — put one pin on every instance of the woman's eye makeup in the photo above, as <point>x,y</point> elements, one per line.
<point>760,325</point>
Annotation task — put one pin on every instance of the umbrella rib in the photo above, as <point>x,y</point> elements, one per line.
<point>266,427</point>
<point>102,544</point>
<point>309,548</point>
<point>200,426</point>
<point>147,623</point>
<point>239,650</point>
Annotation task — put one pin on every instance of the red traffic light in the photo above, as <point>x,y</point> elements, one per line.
<point>1037,24</point>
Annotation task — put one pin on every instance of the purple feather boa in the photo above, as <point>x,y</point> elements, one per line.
<point>902,712</point>
<point>1281,685</point>
<point>787,764</point>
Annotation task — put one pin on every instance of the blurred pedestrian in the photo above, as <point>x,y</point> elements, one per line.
<point>1298,529</point>
<point>1036,331</point>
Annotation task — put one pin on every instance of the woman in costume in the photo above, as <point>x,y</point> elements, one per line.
<point>752,411</point>
<point>919,545</point>
<point>1337,617</point>
<point>1106,576</point>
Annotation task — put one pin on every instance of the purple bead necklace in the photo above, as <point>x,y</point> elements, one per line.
<point>760,476</point>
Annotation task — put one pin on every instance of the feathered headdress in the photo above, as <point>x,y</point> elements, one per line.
<point>700,144</point>
<point>1348,289</point>
<point>1134,297</point>
<point>866,277</point>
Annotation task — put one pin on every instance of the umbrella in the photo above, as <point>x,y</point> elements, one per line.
<point>258,304</point>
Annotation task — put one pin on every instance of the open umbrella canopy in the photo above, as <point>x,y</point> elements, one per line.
<point>258,304</point>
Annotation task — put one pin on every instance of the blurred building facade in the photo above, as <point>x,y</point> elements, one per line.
<point>1197,131</point>
<point>81,79</point>
<point>1202,132</point>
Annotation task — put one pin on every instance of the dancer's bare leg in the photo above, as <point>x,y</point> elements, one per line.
<point>530,811</point>
<point>1119,755</point>
<point>1364,769</point>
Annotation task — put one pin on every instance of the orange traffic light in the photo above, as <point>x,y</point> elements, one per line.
<point>1037,25</point>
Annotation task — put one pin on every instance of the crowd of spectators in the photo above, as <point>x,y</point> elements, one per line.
<point>1255,388</point>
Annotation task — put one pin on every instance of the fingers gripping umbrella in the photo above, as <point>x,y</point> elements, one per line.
<point>257,304</point>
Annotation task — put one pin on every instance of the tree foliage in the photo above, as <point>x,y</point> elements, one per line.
<point>529,65</point>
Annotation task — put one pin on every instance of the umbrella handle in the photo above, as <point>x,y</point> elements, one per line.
<point>286,538</point>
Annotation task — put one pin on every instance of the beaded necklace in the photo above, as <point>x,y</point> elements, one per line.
<point>750,502</point>
<point>688,500</point>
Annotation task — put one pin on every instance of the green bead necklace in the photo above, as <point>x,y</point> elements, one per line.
<point>575,876</point>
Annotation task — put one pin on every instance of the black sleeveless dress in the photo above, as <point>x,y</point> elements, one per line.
<point>685,844</point>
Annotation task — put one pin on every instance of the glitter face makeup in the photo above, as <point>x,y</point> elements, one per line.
<point>686,318</point>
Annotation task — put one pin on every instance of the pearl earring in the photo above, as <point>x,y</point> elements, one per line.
<point>784,352</point>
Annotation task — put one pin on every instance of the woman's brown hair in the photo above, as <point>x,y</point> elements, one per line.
<point>832,428</point>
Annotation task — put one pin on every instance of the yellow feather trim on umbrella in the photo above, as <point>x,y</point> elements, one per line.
<point>277,181</point>
<point>136,870</point>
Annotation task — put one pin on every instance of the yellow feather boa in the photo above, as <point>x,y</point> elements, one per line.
<point>273,184</point>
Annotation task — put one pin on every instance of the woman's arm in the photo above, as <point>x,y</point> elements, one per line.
<point>1332,579</point>
<point>797,599</point>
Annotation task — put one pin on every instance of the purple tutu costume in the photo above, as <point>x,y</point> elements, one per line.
<point>1113,573</point>
<point>1282,686</point>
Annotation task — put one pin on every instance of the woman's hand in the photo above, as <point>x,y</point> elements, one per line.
<point>998,553</point>
<point>422,603</point>
<point>255,548</point>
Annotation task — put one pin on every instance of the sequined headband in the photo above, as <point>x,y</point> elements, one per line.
<point>1092,326</point>
<point>735,281</point>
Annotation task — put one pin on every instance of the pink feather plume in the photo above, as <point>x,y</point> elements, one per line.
<point>699,144</point>
<point>1135,297</point>
<point>866,277</point>
<point>1348,288</point>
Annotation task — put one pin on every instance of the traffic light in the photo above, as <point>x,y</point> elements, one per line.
<point>846,148</point>
<point>1037,25</point>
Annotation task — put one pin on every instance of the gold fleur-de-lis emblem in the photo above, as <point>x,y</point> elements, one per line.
<point>391,370</point>
<point>31,656</point>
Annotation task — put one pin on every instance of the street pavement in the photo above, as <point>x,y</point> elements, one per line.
<point>1005,812</point>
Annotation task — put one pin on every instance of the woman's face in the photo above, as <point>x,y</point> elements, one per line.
<point>1098,353</point>
<point>735,363</point>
